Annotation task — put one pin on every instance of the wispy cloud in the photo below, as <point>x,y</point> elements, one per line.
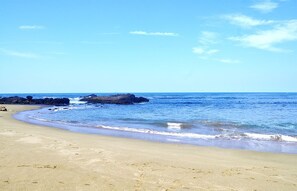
<point>20,54</point>
<point>153,33</point>
<point>31,27</point>
<point>205,42</point>
<point>246,21</point>
<point>208,38</point>
<point>204,51</point>
<point>265,6</point>
<point>268,39</point>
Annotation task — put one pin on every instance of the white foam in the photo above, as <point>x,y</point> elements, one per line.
<point>76,100</point>
<point>253,136</point>
<point>39,119</point>
<point>268,137</point>
<point>60,109</point>
<point>174,126</point>
<point>186,135</point>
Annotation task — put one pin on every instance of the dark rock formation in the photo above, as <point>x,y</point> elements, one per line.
<point>2,108</point>
<point>114,99</point>
<point>29,98</point>
<point>31,101</point>
<point>91,95</point>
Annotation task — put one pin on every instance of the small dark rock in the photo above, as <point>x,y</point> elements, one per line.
<point>2,108</point>
<point>29,98</point>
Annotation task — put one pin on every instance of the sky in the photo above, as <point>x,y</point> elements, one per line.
<point>72,46</point>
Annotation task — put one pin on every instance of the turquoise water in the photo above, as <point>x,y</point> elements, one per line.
<point>253,121</point>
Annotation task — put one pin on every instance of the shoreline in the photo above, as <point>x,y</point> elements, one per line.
<point>258,142</point>
<point>35,157</point>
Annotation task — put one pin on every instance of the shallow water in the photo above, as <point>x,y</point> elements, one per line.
<point>254,121</point>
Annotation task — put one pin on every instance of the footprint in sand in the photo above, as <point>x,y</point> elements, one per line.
<point>45,166</point>
<point>38,166</point>
<point>23,165</point>
<point>231,172</point>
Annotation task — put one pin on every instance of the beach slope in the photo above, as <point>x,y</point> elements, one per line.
<point>43,158</point>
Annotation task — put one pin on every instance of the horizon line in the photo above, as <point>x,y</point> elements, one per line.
<point>148,92</point>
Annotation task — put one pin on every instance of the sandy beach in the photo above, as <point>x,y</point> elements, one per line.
<point>43,158</point>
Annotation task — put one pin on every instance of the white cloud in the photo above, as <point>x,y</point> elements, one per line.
<point>153,33</point>
<point>20,54</point>
<point>267,39</point>
<point>204,51</point>
<point>265,6</point>
<point>246,21</point>
<point>31,27</point>
<point>208,38</point>
<point>206,55</point>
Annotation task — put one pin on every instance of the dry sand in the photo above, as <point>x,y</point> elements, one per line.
<point>42,158</point>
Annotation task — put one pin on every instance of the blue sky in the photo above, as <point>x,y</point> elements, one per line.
<point>148,46</point>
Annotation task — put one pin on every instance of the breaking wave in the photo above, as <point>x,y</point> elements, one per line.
<point>239,136</point>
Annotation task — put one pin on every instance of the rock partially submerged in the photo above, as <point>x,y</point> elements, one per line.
<point>30,101</point>
<point>114,99</point>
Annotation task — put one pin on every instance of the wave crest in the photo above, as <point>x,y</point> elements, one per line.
<point>240,136</point>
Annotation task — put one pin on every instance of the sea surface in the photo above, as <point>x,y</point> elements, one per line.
<point>253,121</point>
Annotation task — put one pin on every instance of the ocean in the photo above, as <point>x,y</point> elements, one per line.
<point>264,122</point>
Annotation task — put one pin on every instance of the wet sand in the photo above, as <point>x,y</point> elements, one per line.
<point>33,157</point>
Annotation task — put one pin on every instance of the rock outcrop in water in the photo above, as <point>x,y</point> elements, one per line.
<point>114,99</point>
<point>30,101</point>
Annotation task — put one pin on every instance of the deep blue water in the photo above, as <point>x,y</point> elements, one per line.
<point>254,121</point>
